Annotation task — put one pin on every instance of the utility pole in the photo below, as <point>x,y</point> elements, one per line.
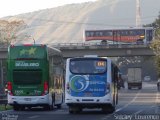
<point>138,14</point>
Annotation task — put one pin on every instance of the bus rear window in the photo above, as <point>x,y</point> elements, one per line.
<point>88,66</point>
<point>21,77</point>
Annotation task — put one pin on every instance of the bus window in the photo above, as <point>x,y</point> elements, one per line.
<point>23,77</point>
<point>88,66</point>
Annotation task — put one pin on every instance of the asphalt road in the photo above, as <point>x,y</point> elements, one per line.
<point>133,105</point>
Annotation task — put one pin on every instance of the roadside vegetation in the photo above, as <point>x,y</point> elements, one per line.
<point>3,107</point>
<point>9,30</point>
<point>155,45</point>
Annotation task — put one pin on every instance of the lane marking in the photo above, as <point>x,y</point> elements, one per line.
<point>144,109</point>
<point>157,98</point>
<point>32,117</point>
<point>135,97</point>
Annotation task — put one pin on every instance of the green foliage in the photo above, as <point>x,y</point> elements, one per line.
<point>2,107</point>
<point>9,29</point>
<point>156,43</point>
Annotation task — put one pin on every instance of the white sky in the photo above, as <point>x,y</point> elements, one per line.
<point>14,7</point>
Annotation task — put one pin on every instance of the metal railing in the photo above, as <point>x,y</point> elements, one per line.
<point>98,45</point>
<point>91,44</point>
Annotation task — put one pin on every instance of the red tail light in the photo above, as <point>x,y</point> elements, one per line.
<point>45,88</point>
<point>9,87</point>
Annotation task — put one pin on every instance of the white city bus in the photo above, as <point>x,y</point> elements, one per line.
<point>91,82</point>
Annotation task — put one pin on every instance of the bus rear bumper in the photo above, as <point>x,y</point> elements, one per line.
<point>28,100</point>
<point>89,100</point>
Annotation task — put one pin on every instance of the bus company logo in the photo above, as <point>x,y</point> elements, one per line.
<point>30,51</point>
<point>24,64</point>
<point>79,83</point>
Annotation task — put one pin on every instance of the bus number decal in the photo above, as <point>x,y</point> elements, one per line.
<point>100,64</point>
<point>18,92</point>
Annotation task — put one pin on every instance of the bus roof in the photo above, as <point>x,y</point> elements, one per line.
<point>36,51</point>
<point>123,28</point>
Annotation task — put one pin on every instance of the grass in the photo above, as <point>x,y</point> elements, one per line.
<point>2,107</point>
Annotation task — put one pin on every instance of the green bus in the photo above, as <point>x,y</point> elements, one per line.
<point>34,76</point>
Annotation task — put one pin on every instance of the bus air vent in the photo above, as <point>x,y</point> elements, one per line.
<point>87,100</point>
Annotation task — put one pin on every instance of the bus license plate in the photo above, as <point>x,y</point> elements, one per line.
<point>27,99</point>
<point>88,94</point>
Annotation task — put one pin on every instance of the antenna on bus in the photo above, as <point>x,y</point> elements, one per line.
<point>34,41</point>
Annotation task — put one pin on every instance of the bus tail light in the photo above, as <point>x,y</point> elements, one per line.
<point>9,87</point>
<point>45,88</point>
<point>107,88</point>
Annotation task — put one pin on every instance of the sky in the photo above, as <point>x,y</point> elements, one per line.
<point>14,7</point>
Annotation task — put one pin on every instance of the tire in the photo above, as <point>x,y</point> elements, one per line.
<point>16,108</point>
<point>71,110</point>
<point>74,110</point>
<point>22,108</point>
<point>59,106</point>
<point>78,110</point>
<point>46,107</point>
<point>108,109</point>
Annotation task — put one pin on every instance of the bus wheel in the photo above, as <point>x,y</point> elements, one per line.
<point>59,106</point>
<point>47,107</point>
<point>79,110</point>
<point>22,108</point>
<point>112,109</point>
<point>108,109</point>
<point>16,107</point>
<point>74,109</point>
<point>70,110</point>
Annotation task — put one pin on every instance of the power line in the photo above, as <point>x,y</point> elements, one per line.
<point>49,21</point>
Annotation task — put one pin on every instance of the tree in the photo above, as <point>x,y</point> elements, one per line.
<point>155,45</point>
<point>9,30</point>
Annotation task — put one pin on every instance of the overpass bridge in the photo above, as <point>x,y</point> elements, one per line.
<point>110,50</point>
<point>80,49</point>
